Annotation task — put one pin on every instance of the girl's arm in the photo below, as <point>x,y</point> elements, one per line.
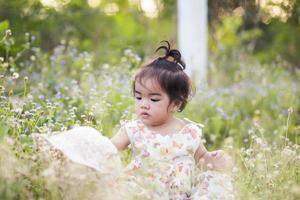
<point>212,160</point>
<point>120,140</point>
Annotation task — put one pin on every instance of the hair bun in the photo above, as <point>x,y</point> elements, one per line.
<point>171,53</point>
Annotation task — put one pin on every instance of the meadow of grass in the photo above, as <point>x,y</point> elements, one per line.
<point>251,110</point>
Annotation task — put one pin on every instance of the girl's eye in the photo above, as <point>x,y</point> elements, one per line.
<point>155,100</point>
<point>138,98</point>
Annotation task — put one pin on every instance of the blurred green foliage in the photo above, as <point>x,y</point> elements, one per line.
<point>87,28</point>
<point>268,29</point>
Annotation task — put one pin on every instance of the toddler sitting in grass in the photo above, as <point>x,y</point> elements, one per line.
<point>167,152</point>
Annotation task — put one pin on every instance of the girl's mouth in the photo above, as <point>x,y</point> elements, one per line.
<point>145,115</point>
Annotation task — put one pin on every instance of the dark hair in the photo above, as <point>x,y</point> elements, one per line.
<point>168,71</point>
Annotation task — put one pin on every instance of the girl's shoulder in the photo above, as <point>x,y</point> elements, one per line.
<point>188,121</point>
<point>193,128</point>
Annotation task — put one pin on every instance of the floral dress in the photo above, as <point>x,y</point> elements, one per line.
<point>166,164</point>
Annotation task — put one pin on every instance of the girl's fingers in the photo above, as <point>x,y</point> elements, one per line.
<point>214,153</point>
<point>221,160</point>
<point>218,154</point>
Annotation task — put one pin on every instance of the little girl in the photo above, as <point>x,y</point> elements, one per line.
<point>167,151</point>
<point>162,141</point>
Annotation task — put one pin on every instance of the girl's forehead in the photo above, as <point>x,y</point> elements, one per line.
<point>148,85</point>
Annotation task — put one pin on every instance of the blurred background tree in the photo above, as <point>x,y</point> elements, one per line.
<point>104,27</point>
<point>268,29</point>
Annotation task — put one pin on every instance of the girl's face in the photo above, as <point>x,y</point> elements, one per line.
<point>152,104</point>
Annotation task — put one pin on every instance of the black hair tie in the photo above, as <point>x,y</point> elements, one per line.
<point>173,53</point>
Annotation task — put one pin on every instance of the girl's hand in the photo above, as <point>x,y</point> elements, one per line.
<point>218,160</point>
<point>120,140</point>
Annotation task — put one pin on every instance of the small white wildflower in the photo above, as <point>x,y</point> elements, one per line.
<point>249,152</point>
<point>288,153</point>
<point>32,58</point>
<point>137,58</point>
<point>91,114</point>
<point>5,65</point>
<point>18,110</point>
<point>128,52</point>
<point>1,59</point>
<point>8,32</point>
<point>105,66</point>
<point>15,75</point>
<point>276,165</point>
<point>290,110</point>
<point>63,128</point>
<point>49,172</point>
<point>259,141</point>
<point>213,137</point>
<point>27,114</point>
<point>74,108</point>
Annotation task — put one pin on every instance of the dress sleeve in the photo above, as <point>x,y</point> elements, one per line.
<point>196,134</point>
<point>130,128</point>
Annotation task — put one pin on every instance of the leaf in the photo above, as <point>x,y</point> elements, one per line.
<point>4,25</point>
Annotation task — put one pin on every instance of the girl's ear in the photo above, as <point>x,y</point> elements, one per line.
<point>178,105</point>
<point>175,106</point>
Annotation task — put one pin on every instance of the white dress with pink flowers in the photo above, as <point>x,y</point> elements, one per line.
<point>168,162</point>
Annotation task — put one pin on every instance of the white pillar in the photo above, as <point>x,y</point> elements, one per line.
<point>192,37</point>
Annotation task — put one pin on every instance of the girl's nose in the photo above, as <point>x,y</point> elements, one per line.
<point>145,105</point>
